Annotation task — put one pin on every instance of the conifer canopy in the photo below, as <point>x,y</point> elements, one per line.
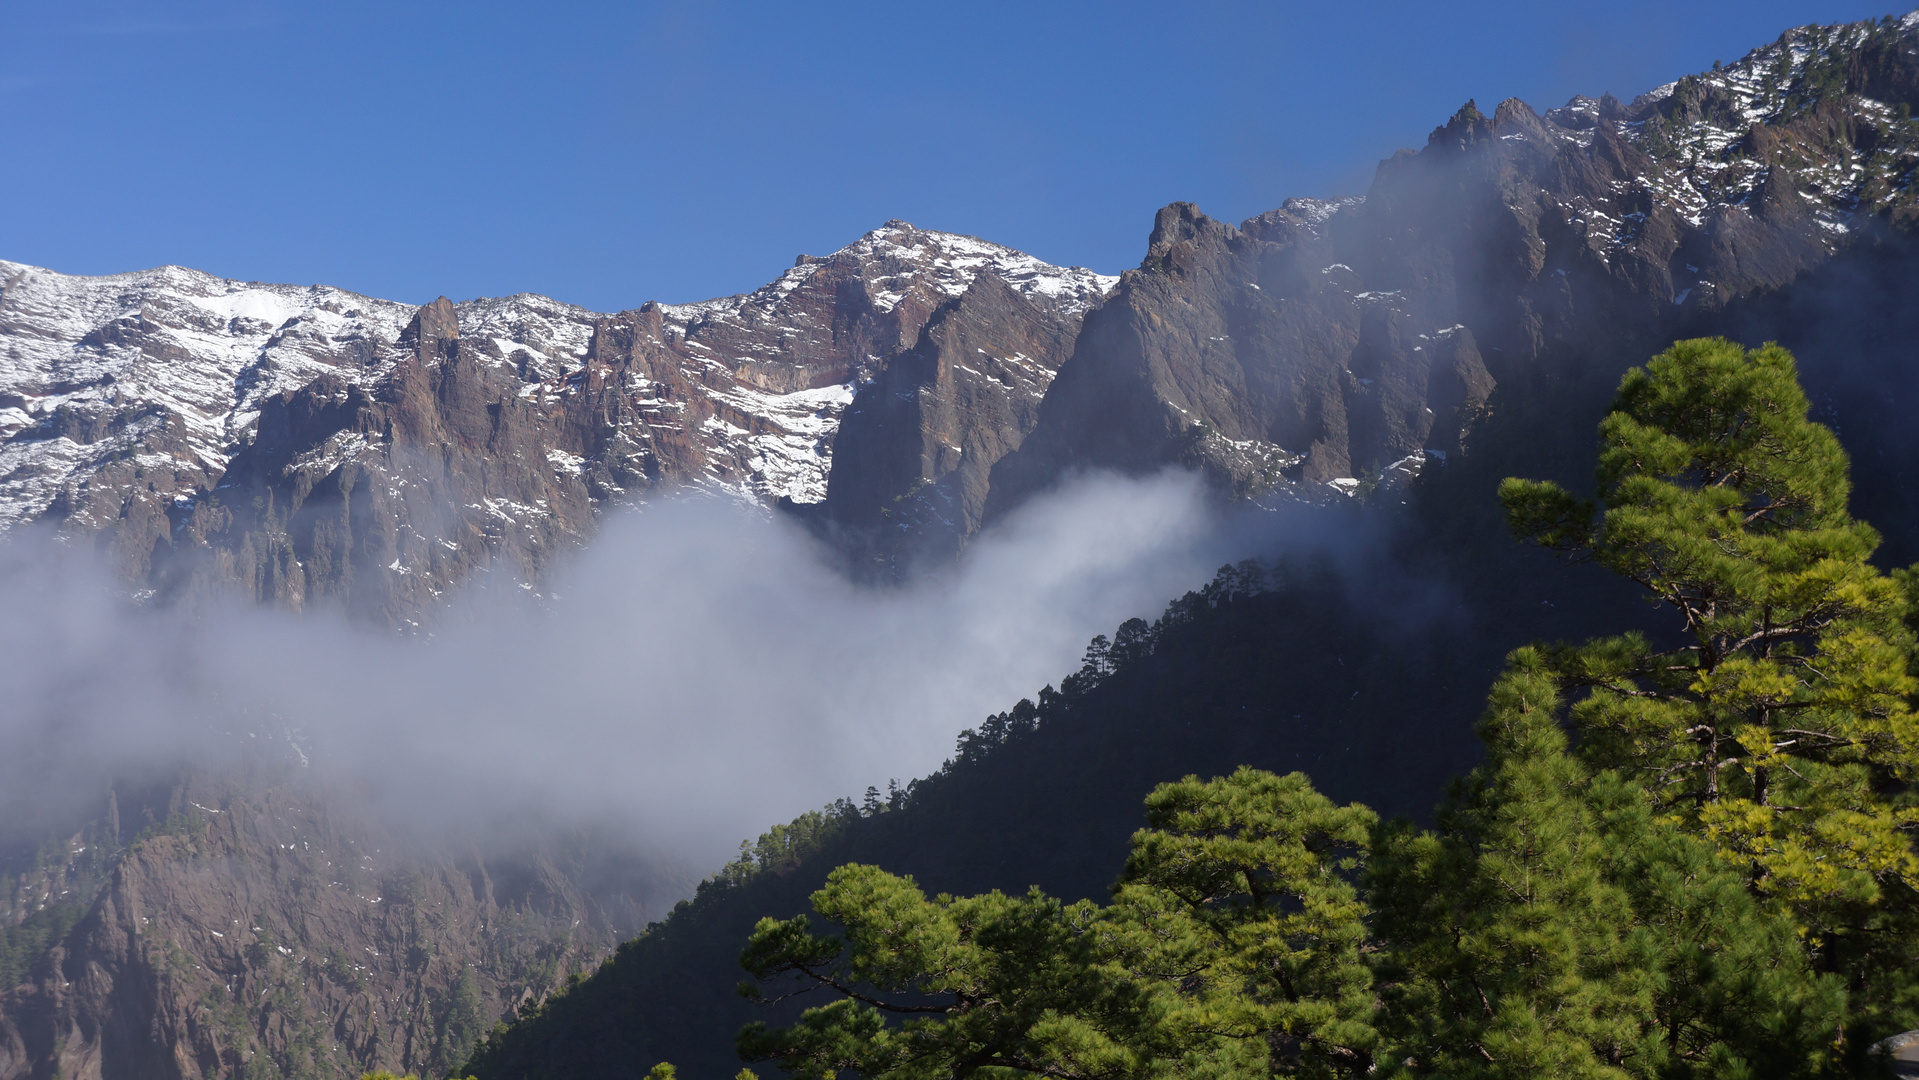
<point>1690,857</point>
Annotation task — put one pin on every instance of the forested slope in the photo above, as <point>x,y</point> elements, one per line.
<point>1369,682</point>
<point>1372,695</point>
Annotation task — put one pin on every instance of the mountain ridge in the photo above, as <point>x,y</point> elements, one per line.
<point>115,420</point>
<point>1287,347</point>
<point>1500,277</point>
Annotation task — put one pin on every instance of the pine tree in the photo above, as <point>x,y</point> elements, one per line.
<point>1555,926</point>
<point>988,985</point>
<point>1240,893</point>
<point>1233,948</point>
<point>1508,951</point>
<point>1782,729</point>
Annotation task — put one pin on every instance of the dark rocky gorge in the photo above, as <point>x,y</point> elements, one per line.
<point>308,448</point>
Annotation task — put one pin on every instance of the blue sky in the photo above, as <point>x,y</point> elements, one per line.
<point>611,153</point>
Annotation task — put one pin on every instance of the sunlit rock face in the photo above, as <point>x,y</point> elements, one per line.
<point>307,444</point>
<point>1329,344</point>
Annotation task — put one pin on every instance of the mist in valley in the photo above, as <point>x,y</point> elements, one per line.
<point>695,674</point>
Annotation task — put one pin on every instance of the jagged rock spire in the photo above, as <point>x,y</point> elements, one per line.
<point>433,322</point>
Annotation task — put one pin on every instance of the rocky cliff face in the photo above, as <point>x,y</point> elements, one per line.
<point>251,928</point>
<point>1338,342</point>
<point>1253,353</point>
<point>917,448</point>
<point>309,445</point>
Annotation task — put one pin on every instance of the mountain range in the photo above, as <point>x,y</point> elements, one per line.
<point>1388,356</point>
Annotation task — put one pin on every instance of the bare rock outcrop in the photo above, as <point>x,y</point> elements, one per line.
<point>311,446</point>
<point>1331,343</point>
<point>267,929</point>
<point>917,447</point>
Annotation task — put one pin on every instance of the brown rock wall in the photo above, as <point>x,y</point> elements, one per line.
<point>264,930</point>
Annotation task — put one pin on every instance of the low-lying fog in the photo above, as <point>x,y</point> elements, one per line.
<point>697,674</point>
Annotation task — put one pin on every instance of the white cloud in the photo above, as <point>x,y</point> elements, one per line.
<point>700,675</point>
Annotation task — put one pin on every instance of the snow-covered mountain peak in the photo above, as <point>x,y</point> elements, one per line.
<point>950,261</point>
<point>546,337</point>
<point>158,378</point>
<point>93,367</point>
<point>897,258</point>
<point>1720,133</point>
<point>1810,134</point>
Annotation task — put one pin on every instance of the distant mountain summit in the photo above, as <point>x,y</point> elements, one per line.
<point>307,443</point>
<point>297,444</point>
